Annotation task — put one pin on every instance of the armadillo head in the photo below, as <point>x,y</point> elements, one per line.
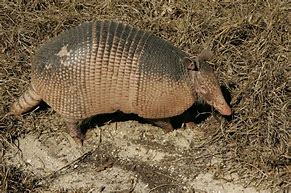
<point>205,83</point>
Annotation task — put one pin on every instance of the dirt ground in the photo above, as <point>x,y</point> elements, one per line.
<point>248,152</point>
<point>123,157</point>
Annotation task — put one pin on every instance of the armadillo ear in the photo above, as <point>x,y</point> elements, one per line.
<point>190,64</point>
<point>205,55</point>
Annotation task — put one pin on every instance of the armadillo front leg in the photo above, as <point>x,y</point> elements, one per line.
<point>165,124</point>
<point>75,131</point>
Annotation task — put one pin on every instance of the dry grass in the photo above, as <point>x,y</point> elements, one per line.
<point>251,42</point>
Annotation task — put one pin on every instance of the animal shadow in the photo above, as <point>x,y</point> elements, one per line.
<point>103,119</point>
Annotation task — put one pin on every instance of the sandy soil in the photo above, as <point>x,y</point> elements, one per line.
<point>123,157</point>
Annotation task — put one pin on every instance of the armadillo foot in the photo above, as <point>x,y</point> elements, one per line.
<point>165,124</point>
<point>75,132</point>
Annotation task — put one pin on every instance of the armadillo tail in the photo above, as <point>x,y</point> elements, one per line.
<point>27,101</point>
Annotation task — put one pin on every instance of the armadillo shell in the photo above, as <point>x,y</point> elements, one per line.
<point>103,66</point>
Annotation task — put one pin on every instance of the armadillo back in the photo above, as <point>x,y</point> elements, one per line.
<point>101,67</point>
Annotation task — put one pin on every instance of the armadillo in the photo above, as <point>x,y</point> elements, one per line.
<point>101,67</point>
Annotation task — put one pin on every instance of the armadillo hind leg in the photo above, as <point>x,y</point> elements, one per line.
<point>27,101</point>
<point>164,123</point>
<point>75,131</point>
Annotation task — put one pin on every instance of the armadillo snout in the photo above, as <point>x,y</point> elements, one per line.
<point>221,105</point>
<point>225,110</point>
